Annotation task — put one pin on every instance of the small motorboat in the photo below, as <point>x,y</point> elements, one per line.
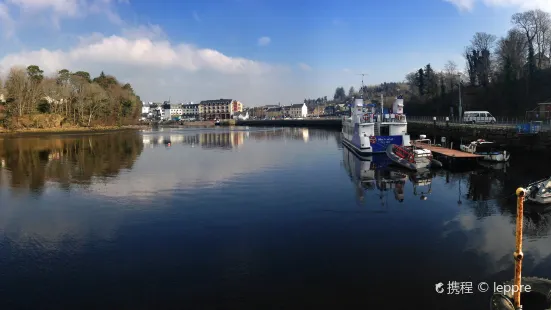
<point>490,150</point>
<point>411,157</point>
<point>539,192</point>
<point>217,122</point>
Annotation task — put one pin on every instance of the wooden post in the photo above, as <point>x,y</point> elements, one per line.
<point>518,253</point>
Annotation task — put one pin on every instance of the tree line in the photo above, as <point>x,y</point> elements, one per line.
<point>32,99</point>
<point>507,75</point>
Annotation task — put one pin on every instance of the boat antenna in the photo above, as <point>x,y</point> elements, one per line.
<point>362,88</point>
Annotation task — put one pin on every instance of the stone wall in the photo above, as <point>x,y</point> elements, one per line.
<point>465,133</point>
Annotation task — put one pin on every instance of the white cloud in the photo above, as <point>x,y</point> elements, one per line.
<point>146,57</point>
<point>468,5</point>
<point>144,31</point>
<point>158,69</point>
<point>304,67</point>
<point>264,41</point>
<point>55,10</point>
<point>143,52</point>
<point>62,7</point>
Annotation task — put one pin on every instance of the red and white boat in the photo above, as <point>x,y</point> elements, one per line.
<point>411,157</point>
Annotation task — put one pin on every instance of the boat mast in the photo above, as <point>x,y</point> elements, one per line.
<point>362,88</point>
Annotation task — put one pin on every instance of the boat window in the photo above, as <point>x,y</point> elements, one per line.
<point>385,130</point>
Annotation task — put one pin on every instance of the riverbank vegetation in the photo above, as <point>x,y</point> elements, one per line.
<point>31,100</point>
<point>506,76</point>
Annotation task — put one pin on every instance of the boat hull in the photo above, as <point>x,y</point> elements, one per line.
<point>419,164</point>
<point>496,157</point>
<point>378,144</point>
<point>539,192</point>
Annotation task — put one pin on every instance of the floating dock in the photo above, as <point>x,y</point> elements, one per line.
<point>450,158</point>
<point>445,151</point>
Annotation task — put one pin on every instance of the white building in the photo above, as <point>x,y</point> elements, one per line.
<point>190,110</point>
<point>146,108</point>
<point>298,110</point>
<point>242,116</point>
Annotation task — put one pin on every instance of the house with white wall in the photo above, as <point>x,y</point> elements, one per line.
<point>298,110</point>
<point>242,116</point>
<point>146,108</point>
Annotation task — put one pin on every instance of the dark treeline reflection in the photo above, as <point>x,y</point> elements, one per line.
<point>30,162</point>
<point>490,190</point>
<point>231,139</point>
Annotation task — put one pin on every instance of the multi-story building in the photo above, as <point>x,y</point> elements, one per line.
<point>298,110</point>
<point>274,112</point>
<point>219,108</point>
<point>190,110</point>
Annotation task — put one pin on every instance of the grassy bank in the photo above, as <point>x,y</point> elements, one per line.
<point>69,130</point>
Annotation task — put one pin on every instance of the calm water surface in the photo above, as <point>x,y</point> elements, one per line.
<point>250,219</point>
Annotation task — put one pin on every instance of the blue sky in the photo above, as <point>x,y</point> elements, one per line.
<point>195,50</point>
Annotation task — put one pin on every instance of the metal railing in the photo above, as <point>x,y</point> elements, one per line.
<point>501,122</point>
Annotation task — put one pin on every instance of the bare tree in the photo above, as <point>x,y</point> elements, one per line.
<point>510,53</point>
<point>2,91</point>
<point>483,41</point>
<point>412,82</point>
<point>543,22</point>
<point>450,74</point>
<point>96,99</point>
<point>528,23</point>
<point>16,88</point>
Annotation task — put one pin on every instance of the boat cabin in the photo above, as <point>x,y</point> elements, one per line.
<point>481,146</point>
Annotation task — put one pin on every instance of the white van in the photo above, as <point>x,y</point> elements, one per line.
<point>478,117</point>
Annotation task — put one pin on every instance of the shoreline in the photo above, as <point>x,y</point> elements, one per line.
<point>68,130</point>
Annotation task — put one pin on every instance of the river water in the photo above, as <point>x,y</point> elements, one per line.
<point>251,218</point>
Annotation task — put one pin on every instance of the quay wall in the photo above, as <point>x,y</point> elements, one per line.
<point>311,123</point>
<point>453,132</point>
<point>465,133</point>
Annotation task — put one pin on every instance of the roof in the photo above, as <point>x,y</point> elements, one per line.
<point>273,109</point>
<point>190,105</point>
<point>297,105</point>
<point>216,101</point>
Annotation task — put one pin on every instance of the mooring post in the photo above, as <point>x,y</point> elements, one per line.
<point>434,130</point>
<point>518,253</point>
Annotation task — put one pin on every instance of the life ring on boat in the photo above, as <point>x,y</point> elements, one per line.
<point>539,295</point>
<point>367,117</point>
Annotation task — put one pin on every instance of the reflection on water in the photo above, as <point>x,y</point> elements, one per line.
<point>378,173</point>
<point>207,218</point>
<point>229,138</point>
<point>28,163</point>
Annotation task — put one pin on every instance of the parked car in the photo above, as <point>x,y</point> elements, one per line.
<point>478,117</point>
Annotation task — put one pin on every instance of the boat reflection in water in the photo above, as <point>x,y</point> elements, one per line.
<point>377,173</point>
